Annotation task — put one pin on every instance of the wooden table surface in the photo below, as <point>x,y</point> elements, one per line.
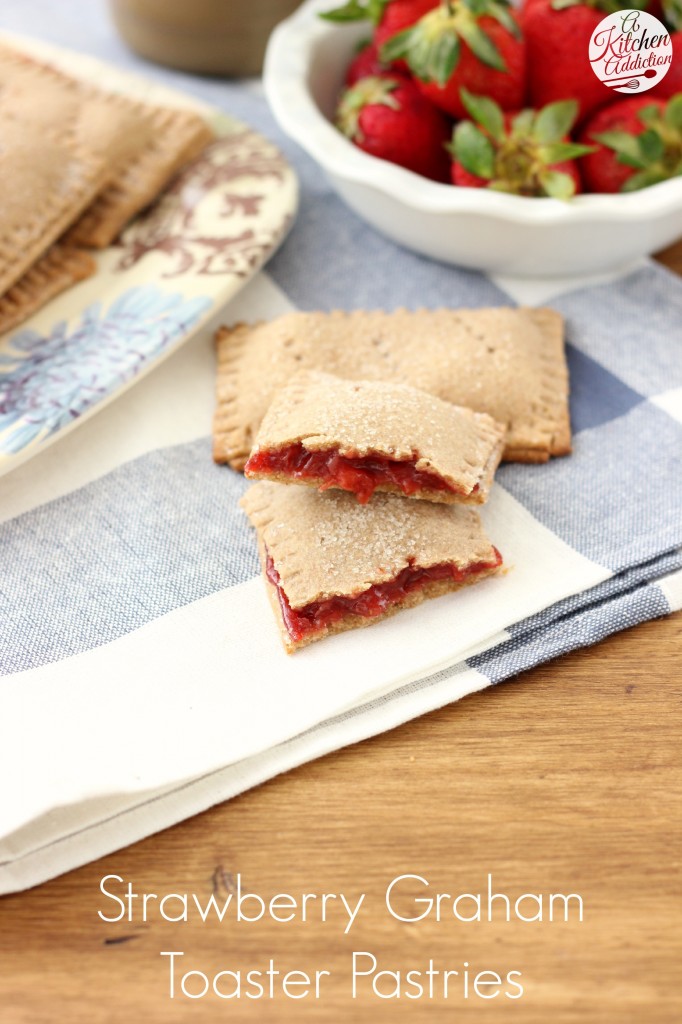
<point>566,779</point>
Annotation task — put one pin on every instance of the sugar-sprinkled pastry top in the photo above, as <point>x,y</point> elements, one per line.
<point>364,436</point>
<point>332,564</point>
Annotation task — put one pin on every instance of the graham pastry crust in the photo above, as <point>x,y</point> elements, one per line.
<point>508,363</point>
<point>380,425</point>
<point>327,545</point>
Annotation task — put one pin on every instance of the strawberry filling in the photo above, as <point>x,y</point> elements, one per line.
<point>318,615</point>
<point>362,475</point>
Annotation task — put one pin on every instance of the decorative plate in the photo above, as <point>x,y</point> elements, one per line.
<point>192,251</point>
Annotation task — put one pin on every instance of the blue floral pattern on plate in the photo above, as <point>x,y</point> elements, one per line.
<point>46,382</point>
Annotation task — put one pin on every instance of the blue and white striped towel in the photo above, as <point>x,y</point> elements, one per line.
<point>142,676</point>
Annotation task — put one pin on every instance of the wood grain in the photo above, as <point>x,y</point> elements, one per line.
<point>672,257</point>
<point>565,779</point>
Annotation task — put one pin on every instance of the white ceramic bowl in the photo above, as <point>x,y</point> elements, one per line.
<point>304,70</point>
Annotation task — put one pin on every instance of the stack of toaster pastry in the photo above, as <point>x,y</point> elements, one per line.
<point>381,521</point>
<point>367,487</point>
<point>76,163</point>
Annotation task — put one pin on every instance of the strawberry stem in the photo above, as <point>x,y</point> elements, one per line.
<point>655,153</point>
<point>432,45</point>
<point>520,159</point>
<point>368,91</point>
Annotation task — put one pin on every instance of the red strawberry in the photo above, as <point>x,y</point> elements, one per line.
<point>639,143</point>
<point>672,83</point>
<point>474,44</point>
<point>526,153</point>
<point>557,42</point>
<point>397,16</point>
<point>388,18</point>
<point>387,117</point>
<point>654,7</point>
<point>365,62</point>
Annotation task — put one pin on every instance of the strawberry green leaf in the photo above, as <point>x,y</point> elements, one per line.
<point>357,10</point>
<point>485,112</point>
<point>651,146</point>
<point>481,45</point>
<point>673,112</point>
<point>474,150</point>
<point>354,10</point>
<point>672,12</point>
<point>522,123</point>
<point>607,6</point>
<point>557,184</point>
<point>442,58</point>
<point>638,163</point>
<point>397,46</point>
<point>555,121</point>
<point>502,14</point>
<point>612,6</point>
<point>649,115</point>
<point>375,9</point>
<point>482,7</point>
<point>644,178</point>
<point>432,59</point>
<point>624,145</point>
<point>560,151</point>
